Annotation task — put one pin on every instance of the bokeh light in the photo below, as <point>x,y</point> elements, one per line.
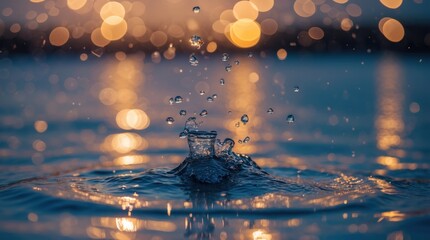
<point>59,36</point>
<point>392,29</point>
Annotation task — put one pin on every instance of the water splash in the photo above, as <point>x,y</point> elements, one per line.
<point>212,161</point>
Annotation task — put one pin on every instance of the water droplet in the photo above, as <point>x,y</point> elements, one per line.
<point>246,139</point>
<point>270,111</point>
<point>209,99</point>
<point>196,41</point>
<point>196,9</point>
<point>244,119</point>
<point>236,62</point>
<point>170,120</point>
<point>171,101</point>
<point>296,89</point>
<point>202,93</point>
<point>178,99</point>
<point>214,96</point>
<point>237,124</point>
<point>250,54</point>
<point>228,68</point>
<point>222,81</point>
<point>240,141</point>
<point>193,60</point>
<point>290,118</point>
<point>204,113</point>
<point>225,57</point>
<point>182,112</point>
<point>353,154</point>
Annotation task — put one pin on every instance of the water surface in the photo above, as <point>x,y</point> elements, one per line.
<point>85,148</point>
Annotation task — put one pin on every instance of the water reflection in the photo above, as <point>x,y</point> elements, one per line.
<point>118,91</point>
<point>389,122</point>
<point>244,97</point>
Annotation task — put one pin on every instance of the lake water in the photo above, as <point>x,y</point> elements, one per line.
<point>85,148</point>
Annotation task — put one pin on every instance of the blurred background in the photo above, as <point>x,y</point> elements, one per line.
<point>93,93</point>
<point>41,26</point>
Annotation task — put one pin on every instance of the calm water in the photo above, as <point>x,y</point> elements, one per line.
<point>85,148</point>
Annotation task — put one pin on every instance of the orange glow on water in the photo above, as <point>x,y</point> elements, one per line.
<point>128,119</point>
<point>389,122</point>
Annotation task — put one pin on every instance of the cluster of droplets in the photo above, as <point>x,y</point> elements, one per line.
<point>177,99</point>
<point>212,98</point>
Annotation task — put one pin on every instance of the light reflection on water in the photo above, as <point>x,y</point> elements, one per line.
<point>87,146</point>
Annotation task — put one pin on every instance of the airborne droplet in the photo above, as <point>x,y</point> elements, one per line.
<point>290,118</point>
<point>182,112</point>
<point>171,101</point>
<point>236,62</point>
<point>225,57</point>
<point>228,68</point>
<point>202,93</point>
<point>204,113</point>
<point>209,99</point>
<point>244,119</point>
<point>178,99</point>
<point>170,120</point>
<point>193,60</point>
<point>270,111</point>
<point>214,96</point>
<point>296,89</point>
<point>222,81</point>
<point>246,139</point>
<point>196,9</point>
